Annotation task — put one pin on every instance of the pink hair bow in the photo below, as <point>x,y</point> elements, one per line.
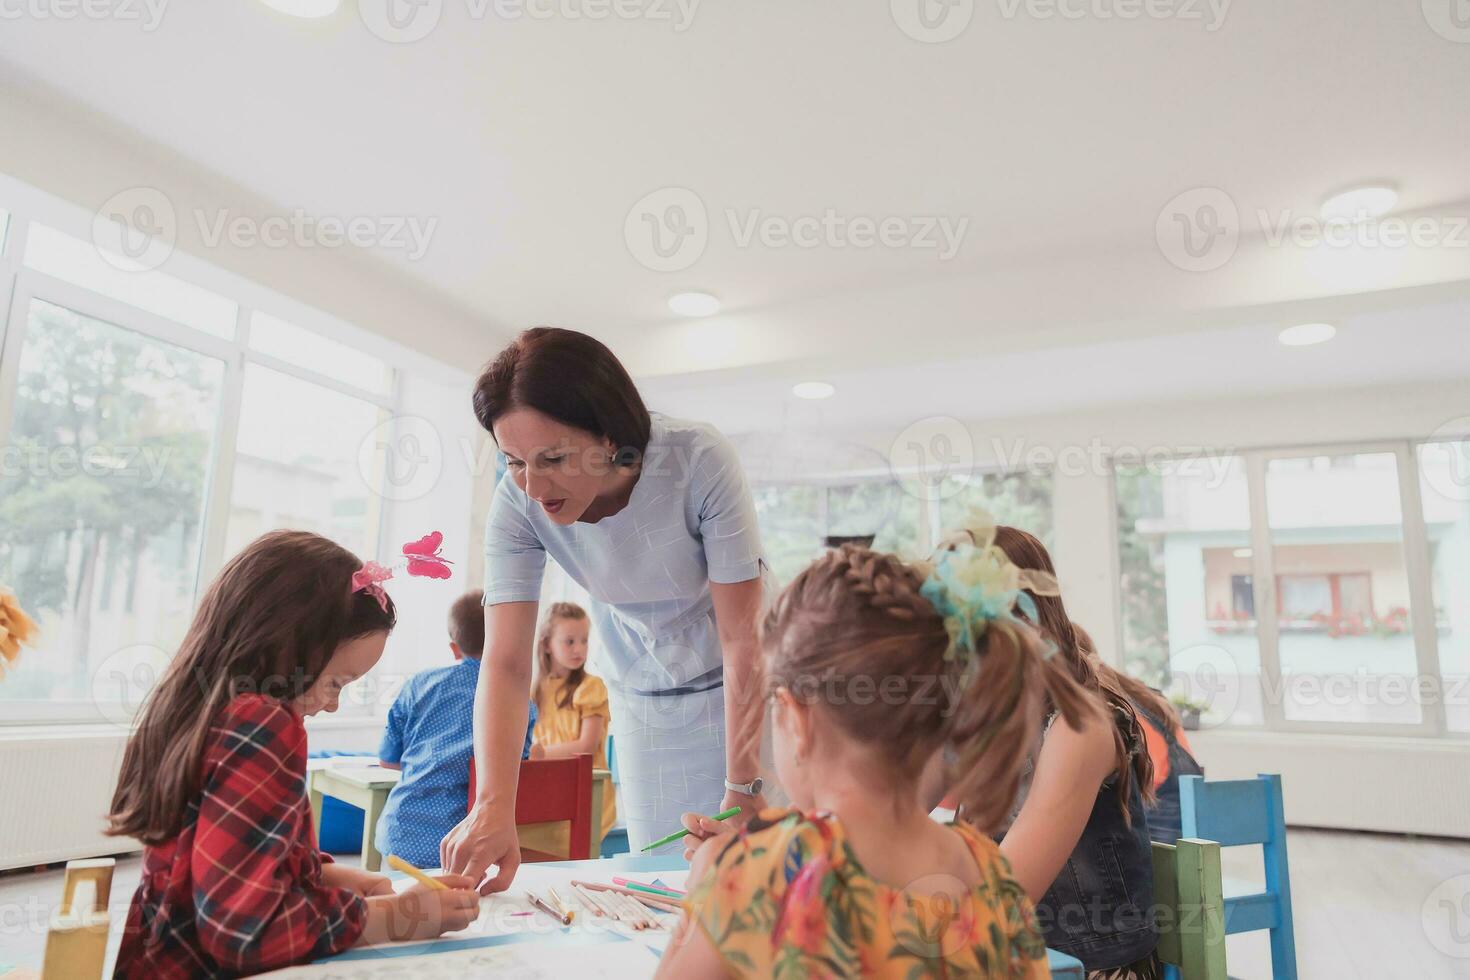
<point>366,579</point>
<point>423,558</point>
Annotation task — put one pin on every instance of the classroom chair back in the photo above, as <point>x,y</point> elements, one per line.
<point>1189,893</point>
<point>1242,812</point>
<point>554,791</point>
<point>76,937</point>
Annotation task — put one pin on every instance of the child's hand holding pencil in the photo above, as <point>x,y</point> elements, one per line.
<point>432,907</point>
<point>700,830</point>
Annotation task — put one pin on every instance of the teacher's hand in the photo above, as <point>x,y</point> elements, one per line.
<point>487,836</point>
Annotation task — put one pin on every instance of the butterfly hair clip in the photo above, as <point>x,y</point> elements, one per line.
<point>423,558</point>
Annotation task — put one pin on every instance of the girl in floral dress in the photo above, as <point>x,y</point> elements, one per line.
<point>888,681</point>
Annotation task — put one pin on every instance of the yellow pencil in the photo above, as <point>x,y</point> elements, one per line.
<point>398,864</point>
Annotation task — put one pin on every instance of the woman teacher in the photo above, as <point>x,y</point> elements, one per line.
<point>654,518</point>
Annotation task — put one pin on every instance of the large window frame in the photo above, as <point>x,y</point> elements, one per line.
<point>931,522</point>
<point>1432,722</point>
<point>20,286</point>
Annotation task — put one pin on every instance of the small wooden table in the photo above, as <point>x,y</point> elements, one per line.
<point>365,787</point>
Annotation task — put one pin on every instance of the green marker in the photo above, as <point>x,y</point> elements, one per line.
<point>684,833</point>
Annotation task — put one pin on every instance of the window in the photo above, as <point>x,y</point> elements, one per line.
<point>1188,611</point>
<point>904,516</point>
<point>290,343</point>
<point>102,494</point>
<point>1021,500</point>
<point>81,264</point>
<point>1342,594</point>
<point>1344,633</point>
<point>1444,475</point>
<point>144,439</point>
<point>886,509</point>
<point>793,525</point>
<point>298,465</point>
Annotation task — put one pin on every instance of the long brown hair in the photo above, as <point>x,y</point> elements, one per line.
<point>574,379</point>
<point>855,613</point>
<point>556,613</point>
<point>267,625</point>
<point>1132,762</point>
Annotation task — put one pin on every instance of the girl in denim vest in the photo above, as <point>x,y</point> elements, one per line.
<point>1080,843</point>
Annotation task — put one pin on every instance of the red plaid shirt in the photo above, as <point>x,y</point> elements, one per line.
<point>240,890</point>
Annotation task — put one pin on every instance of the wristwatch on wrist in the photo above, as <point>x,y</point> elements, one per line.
<point>752,788</point>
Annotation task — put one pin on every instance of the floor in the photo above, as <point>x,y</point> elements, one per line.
<point>1367,908</point>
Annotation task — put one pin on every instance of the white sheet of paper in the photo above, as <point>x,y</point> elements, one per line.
<point>506,913</point>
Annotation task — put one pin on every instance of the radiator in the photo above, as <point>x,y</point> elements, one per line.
<point>56,786</point>
<point>1352,782</point>
<point>54,792</point>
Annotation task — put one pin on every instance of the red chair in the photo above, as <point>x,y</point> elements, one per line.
<point>554,791</point>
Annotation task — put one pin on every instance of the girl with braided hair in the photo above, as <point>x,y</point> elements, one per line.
<point>878,670</point>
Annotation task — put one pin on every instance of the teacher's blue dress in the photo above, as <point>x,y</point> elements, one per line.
<point>690,521</point>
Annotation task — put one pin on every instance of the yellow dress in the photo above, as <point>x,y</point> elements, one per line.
<point>556,725</point>
<point>788,898</point>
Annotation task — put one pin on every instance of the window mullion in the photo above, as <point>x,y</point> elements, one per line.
<point>1421,590</point>
<point>12,339</point>
<point>1263,570</point>
<point>222,471</point>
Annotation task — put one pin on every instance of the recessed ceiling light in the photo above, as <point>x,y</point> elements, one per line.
<point>1307,334</point>
<point>813,390</point>
<point>1242,552</point>
<point>1360,203</point>
<point>694,304</point>
<point>304,8</point>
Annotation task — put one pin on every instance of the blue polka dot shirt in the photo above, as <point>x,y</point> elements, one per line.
<point>430,735</point>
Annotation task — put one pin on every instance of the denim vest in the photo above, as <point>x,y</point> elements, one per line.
<point>1163,816</point>
<point>1100,907</point>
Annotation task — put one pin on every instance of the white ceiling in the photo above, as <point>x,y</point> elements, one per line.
<point>1059,140</point>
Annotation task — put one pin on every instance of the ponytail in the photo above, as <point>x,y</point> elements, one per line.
<point>1000,715</point>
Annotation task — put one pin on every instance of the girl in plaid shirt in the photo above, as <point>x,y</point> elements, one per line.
<point>214,779</point>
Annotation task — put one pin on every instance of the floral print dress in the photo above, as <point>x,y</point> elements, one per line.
<point>787,897</point>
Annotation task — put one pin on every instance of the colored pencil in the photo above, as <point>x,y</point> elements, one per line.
<point>398,864</point>
<point>564,919</point>
<point>679,835</point>
<point>644,886</point>
<point>658,902</point>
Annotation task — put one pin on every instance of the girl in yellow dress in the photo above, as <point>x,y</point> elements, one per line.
<point>888,681</point>
<point>571,705</point>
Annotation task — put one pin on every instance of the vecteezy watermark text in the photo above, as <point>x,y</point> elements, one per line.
<point>145,465</point>
<point>406,21</point>
<point>148,14</point>
<point>1200,230</point>
<point>668,230</point>
<point>136,230</point>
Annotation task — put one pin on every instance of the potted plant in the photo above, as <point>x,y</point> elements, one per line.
<point>1189,710</point>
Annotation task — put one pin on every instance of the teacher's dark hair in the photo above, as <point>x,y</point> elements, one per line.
<point>574,379</point>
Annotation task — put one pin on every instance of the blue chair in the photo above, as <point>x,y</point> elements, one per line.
<point>615,842</point>
<point>1247,811</point>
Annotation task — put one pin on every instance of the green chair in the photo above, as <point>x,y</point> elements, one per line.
<point>1190,896</point>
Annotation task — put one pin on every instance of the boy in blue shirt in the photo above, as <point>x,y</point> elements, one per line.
<point>430,736</point>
